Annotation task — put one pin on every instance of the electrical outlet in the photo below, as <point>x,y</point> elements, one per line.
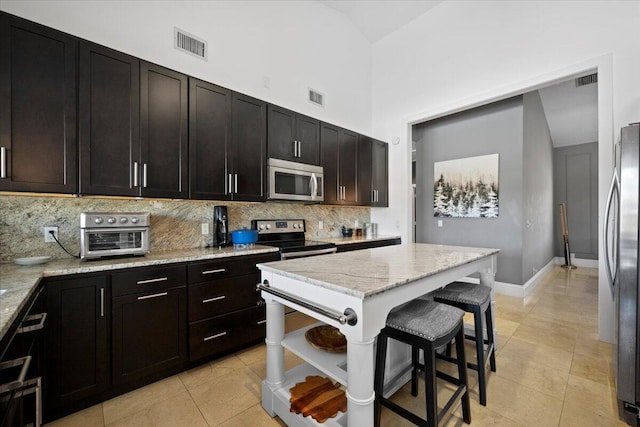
<point>356,223</point>
<point>440,223</point>
<point>205,228</point>
<point>320,225</point>
<point>47,235</point>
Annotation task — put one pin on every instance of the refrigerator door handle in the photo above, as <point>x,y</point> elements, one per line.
<point>613,190</point>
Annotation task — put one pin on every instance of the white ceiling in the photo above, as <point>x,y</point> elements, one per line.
<point>572,112</point>
<point>378,18</point>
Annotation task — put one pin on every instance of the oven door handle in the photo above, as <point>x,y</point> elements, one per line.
<point>301,254</point>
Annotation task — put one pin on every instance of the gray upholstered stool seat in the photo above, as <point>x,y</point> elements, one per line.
<point>426,319</point>
<point>466,293</point>
<point>476,299</point>
<point>425,325</point>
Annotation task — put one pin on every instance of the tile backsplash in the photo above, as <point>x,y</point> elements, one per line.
<point>175,224</point>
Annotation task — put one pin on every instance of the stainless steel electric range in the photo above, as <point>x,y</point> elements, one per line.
<point>288,235</point>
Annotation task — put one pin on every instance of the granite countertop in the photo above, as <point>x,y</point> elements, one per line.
<point>17,283</point>
<point>354,239</point>
<point>368,272</point>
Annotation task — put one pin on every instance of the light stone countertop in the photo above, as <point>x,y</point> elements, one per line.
<point>17,283</point>
<point>354,239</point>
<point>367,272</point>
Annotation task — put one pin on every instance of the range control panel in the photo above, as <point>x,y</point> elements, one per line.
<point>270,226</point>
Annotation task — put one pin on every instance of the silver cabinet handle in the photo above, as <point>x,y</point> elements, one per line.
<point>299,149</point>
<point>262,322</point>
<point>220,298</point>
<point>377,198</point>
<point>161,294</point>
<point>40,316</point>
<point>230,188</point>
<point>212,337</point>
<point>3,162</point>
<point>295,148</point>
<point>235,183</point>
<point>135,174</point>
<point>219,270</point>
<point>101,302</point>
<point>159,279</point>
<point>144,175</point>
<point>12,385</point>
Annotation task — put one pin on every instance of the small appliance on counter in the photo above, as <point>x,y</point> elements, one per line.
<point>243,238</point>
<point>220,227</point>
<point>104,234</point>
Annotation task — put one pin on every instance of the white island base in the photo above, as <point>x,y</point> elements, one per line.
<point>369,283</point>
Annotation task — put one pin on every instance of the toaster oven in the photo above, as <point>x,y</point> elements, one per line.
<point>113,234</point>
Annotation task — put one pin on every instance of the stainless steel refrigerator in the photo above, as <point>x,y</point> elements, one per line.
<point>622,264</point>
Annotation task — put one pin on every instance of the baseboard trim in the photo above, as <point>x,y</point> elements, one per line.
<point>579,262</point>
<point>518,291</point>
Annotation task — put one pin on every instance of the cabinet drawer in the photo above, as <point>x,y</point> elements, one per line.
<point>227,267</point>
<point>222,296</point>
<point>224,333</point>
<point>148,279</point>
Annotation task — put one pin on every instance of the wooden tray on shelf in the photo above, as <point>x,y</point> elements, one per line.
<point>326,338</point>
<point>317,397</point>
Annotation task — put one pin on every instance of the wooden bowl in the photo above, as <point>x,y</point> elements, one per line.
<point>326,338</point>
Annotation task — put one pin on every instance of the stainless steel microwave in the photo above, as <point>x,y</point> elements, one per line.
<point>295,181</point>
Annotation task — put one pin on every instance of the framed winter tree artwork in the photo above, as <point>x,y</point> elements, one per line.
<point>466,188</point>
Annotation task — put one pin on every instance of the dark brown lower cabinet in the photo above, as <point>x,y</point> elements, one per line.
<point>222,334</point>
<point>77,345</point>
<point>149,333</point>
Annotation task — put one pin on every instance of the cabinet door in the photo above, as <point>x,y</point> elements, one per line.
<point>308,135</point>
<point>380,174</point>
<point>281,133</point>
<point>76,341</point>
<point>209,140</point>
<point>330,143</point>
<point>37,107</point>
<point>248,129</point>
<point>109,121</point>
<point>163,132</point>
<point>365,178</point>
<point>149,333</point>
<point>348,159</point>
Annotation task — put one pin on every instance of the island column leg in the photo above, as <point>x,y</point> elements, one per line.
<point>487,278</point>
<point>275,355</point>
<point>360,394</point>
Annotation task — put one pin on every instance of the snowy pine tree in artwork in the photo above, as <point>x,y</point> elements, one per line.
<point>466,188</point>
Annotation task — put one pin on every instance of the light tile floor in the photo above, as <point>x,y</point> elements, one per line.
<point>551,371</point>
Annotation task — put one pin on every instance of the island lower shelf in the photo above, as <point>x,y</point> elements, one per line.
<point>279,400</point>
<point>332,364</point>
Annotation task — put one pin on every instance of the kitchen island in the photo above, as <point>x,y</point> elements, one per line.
<point>353,291</point>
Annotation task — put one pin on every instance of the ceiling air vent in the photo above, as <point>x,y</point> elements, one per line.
<point>316,98</point>
<point>190,44</point>
<point>587,80</point>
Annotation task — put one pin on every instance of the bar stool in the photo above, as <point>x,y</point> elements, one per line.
<point>425,325</point>
<point>475,299</point>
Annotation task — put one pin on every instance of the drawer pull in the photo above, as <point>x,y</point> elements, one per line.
<point>262,322</point>
<point>161,294</point>
<point>212,337</point>
<point>160,279</point>
<point>12,385</point>
<point>204,301</point>
<point>41,316</point>
<point>219,270</point>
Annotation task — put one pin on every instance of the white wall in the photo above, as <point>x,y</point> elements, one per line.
<point>462,53</point>
<point>297,45</point>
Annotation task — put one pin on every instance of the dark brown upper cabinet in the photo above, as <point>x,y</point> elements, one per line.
<point>109,122</point>
<point>163,132</point>
<point>209,140</point>
<point>339,160</point>
<point>372,172</point>
<point>37,108</point>
<point>293,136</point>
<point>227,143</point>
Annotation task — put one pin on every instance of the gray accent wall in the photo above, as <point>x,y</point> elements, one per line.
<point>495,128</point>
<point>537,231</point>
<point>576,184</point>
